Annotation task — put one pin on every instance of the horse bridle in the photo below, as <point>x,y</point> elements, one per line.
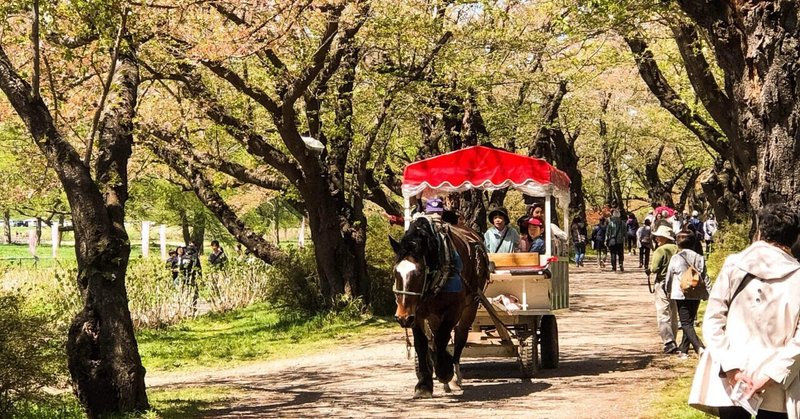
<point>427,276</point>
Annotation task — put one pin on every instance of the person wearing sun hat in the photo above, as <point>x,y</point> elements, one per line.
<point>500,237</point>
<point>666,311</point>
<point>434,206</point>
<point>533,236</point>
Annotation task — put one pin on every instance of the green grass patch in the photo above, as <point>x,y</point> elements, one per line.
<point>189,402</point>
<point>672,402</point>
<point>60,406</point>
<point>254,333</point>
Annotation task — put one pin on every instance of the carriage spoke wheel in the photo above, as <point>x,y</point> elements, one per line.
<point>548,332</point>
<point>528,355</point>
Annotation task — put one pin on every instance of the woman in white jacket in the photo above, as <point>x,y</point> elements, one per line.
<point>751,323</point>
<point>687,301</point>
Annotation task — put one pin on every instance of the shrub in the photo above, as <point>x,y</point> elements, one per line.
<point>731,238</point>
<point>51,292</point>
<point>294,283</point>
<point>380,258</point>
<point>154,299</point>
<point>236,285</point>
<point>31,354</point>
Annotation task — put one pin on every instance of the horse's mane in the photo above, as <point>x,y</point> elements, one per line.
<point>419,242</point>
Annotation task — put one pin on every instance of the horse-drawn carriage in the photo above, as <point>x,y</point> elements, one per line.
<point>539,284</point>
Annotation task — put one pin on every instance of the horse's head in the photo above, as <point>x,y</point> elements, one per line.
<point>416,255</point>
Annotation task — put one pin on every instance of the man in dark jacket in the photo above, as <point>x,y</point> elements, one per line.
<point>615,240</point>
<point>217,258</point>
<point>599,241</point>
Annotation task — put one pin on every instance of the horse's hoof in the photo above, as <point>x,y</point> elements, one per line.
<point>453,387</point>
<point>423,394</point>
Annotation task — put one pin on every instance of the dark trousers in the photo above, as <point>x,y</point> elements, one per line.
<point>631,241</point>
<point>736,412</point>
<point>617,253</point>
<point>644,255</point>
<point>687,313</point>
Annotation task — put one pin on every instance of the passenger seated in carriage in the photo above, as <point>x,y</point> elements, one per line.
<point>500,237</point>
<point>533,236</point>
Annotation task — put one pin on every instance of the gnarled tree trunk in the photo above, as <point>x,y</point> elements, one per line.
<point>102,353</point>
<point>756,45</point>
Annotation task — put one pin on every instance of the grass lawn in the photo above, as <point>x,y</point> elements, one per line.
<point>251,334</point>
<point>222,340</point>
<point>188,402</point>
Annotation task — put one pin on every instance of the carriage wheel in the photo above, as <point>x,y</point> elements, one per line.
<point>549,341</point>
<point>528,356</point>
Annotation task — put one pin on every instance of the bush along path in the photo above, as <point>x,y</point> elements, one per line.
<point>611,366</point>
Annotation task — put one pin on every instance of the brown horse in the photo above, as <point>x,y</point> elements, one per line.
<point>427,257</point>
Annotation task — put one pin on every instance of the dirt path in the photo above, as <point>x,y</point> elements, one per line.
<point>611,366</point>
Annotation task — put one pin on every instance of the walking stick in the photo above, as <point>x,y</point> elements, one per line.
<point>650,285</point>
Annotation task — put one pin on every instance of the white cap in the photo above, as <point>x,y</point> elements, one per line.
<point>695,213</point>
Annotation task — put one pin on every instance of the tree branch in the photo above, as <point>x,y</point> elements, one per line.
<point>698,69</point>
<point>37,72</point>
<point>116,134</point>
<point>261,97</point>
<point>106,87</point>
<point>232,169</point>
<point>235,127</point>
<point>317,60</point>
<point>670,100</point>
<point>192,171</point>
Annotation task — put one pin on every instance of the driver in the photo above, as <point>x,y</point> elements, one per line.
<point>500,237</point>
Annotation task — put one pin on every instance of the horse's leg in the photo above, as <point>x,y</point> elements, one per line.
<point>460,339</point>
<point>424,387</point>
<point>443,360</point>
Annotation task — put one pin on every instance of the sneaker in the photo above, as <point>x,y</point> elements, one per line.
<point>621,269</point>
<point>683,355</point>
<point>670,347</point>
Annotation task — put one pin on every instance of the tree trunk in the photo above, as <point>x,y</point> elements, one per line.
<point>7,226</point>
<point>277,221</point>
<point>186,232</point>
<point>102,353</point>
<point>198,230</point>
<point>610,174</point>
<point>724,192</point>
<point>339,250</point>
<point>38,231</point>
<point>755,44</point>
<point>552,145</point>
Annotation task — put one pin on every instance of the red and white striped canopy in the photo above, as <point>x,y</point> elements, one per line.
<point>484,168</point>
